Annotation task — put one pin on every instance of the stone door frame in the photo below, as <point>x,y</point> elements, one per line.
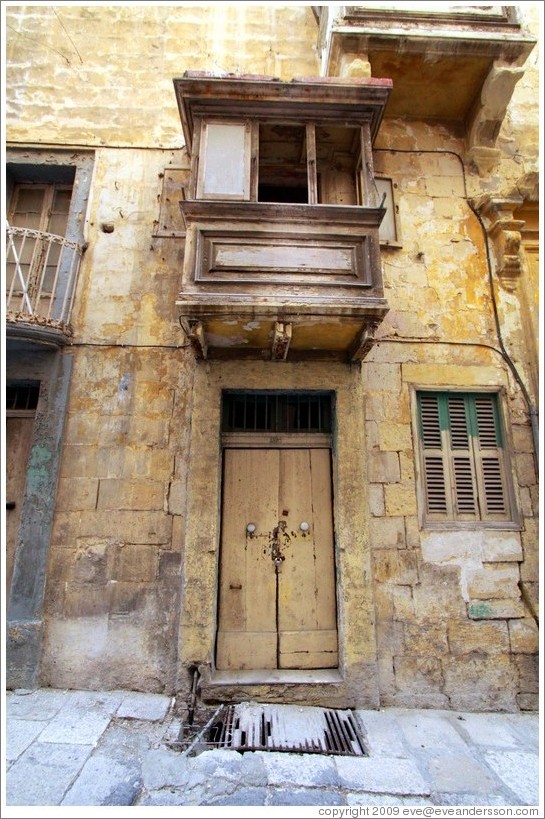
<point>355,683</point>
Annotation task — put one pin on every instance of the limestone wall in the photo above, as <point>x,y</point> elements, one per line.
<point>452,623</point>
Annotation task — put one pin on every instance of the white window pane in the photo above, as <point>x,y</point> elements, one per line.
<point>224,171</point>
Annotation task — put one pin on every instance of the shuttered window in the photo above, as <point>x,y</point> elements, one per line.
<point>462,457</point>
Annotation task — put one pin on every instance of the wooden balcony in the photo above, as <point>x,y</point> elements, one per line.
<point>282,216</point>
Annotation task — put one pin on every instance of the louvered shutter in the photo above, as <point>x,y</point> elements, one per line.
<point>436,483</point>
<point>461,459</point>
<point>489,459</point>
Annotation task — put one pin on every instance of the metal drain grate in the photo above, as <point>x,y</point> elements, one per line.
<point>255,727</point>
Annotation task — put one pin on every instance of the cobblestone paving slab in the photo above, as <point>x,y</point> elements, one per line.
<point>43,773</point>
<point>519,770</point>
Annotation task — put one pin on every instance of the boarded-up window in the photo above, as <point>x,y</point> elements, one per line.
<point>462,457</point>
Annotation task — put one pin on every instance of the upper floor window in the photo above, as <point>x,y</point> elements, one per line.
<point>283,162</point>
<point>45,214</point>
<point>462,458</point>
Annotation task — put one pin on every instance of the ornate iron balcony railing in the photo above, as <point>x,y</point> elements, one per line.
<point>41,275</point>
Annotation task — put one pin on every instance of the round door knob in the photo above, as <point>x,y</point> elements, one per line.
<point>304,526</point>
<point>250,528</point>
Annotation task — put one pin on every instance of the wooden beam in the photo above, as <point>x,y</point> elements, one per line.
<point>311,165</point>
<point>281,341</point>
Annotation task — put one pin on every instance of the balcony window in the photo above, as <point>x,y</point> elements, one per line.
<point>44,243</point>
<point>225,166</point>
<point>282,162</point>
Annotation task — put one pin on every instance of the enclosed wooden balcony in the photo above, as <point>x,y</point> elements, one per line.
<point>282,257</point>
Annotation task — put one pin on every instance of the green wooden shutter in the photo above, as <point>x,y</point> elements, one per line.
<point>462,457</point>
<point>489,460</point>
<point>436,484</point>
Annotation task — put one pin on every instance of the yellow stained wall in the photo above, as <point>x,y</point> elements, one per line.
<point>446,626</point>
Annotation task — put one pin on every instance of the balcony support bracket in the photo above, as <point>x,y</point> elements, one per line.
<point>281,341</point>
<point>364,342</point>
<point>197,338</point>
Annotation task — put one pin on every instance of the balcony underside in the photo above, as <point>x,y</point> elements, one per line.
<point>275,332</point>
<point>35,333</point>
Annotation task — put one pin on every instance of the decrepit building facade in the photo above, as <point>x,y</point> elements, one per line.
<point>271,320</point>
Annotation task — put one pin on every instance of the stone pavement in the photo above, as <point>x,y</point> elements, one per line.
<point>115,748</point>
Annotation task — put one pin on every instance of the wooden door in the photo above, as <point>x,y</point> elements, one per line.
<point>277,603</point>
<point>18,440</point>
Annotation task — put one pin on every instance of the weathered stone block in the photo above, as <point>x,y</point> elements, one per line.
<point>147,526</point>
<point>393,566</point>
<point>384,467</point>
<point>169,565</point>
<point>371,436</point>
<point>495,609</point>
<point>527,666</point>
<point>438,595</point>
<point>85,601</point>
<point>400,499</point>
<point>92,561</point>
<point>493,581</point>
<point>389,637</point>
<point>386,679</point>
<point>524,636</point>
<point>477,638</point>
<point>130,494</point>
<point>385,533</point>
<point>446,546</point>
<point>137,562</point>
<point>395,437</point>
<point>530,595</point>
<point>376,500</point>
<point>480,683</point>
<point>522,438</point>
<point>381,377</point>
<point>416,675</point>
<point>412,532</point>
<point>444,186</point>
<point>178,529</point>
<point>130,597</point>
<point>406,462</point>
<point>525,469</point>
<point>453,374</point>
<point>402,597</point>
<point>176,498</point>
<point>497,547</point>
<point>77,493</point>
<point>425,639</point>
<point>384,604</point>
<point>373,406</point>
<point>528,702</point>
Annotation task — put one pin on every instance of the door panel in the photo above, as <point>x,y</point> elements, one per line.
<point>307,602</point>
<point>247,599</point>
<point>18,440</point>
<point>279,615</point>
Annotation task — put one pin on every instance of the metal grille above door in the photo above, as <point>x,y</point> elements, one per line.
<point>282,412</point>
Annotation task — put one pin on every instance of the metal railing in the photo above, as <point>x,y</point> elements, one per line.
<point>41,275</point>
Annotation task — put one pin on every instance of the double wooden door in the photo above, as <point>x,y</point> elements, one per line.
<point>277,601</point>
